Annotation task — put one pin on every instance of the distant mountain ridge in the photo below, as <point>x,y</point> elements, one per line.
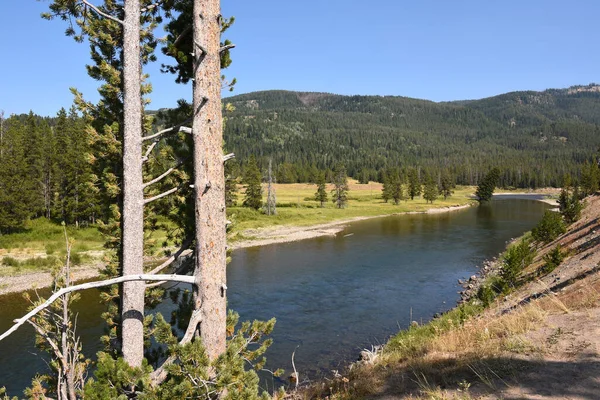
<point>535,137</point>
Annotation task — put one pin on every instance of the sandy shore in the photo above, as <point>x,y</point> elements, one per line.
<point>39,280</point>
<point>552,202</point>
<point>285,234</point>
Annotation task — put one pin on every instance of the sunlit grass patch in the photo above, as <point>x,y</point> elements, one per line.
<point>296,206</point>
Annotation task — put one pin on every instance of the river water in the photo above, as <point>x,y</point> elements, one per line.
<point>331,296</point>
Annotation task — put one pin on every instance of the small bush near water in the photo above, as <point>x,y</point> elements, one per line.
<point>516,258</point>
<point>549,228</point>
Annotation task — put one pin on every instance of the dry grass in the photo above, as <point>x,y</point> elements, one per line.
<point>296,206</point>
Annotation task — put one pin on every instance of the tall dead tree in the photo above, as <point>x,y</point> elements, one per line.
<point>271,204</point>
<point>132,299</point>
<point>86,15</point>
<point>210,305</point>
<point>209,317</point>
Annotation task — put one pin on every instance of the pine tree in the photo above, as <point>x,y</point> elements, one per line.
<point>446,185</point>
<point>395,187</point>
<point>569,205</point>
<point>16,202</point>
<point>364,177</point>
<point>590,177</point>
<point>33,143</point>
<point>321,194</point>
<point>121,43</point>
<point>252,180</point>
<point>414,185</point>
<point>339,193</point>
<point>486,187</point>
<point>430,191</point>
<point>231,183</point>
<point>386,190</point>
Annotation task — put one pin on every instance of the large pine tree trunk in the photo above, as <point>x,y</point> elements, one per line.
<point>133,197</point>
<point>209,180</point>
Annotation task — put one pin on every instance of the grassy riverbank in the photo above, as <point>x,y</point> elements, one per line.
<point>32,253</point>
<point>42,245</point>
<point>536,341</point>
<point>296,207</point>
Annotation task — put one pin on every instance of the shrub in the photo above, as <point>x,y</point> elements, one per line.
<point>11,262</point>
<point>553,259</point>
<point>549,228</point>
<point>516,258</point>
<point>51,248</point>
<point>569,205</point>
<point>486,294</point>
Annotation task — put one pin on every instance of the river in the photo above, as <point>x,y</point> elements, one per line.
<point>332,296</point>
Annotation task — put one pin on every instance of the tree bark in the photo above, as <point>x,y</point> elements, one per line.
<point>209,180</point>
<point>132,297</point>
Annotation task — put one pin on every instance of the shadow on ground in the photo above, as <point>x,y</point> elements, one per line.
<point>506,378</point>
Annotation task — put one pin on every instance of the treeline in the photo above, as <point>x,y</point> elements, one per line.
<point>533,138</point>
<point>45,170</point>
<point>63,169</point>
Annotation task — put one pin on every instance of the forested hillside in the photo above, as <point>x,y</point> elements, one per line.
<point>535,138</point>
<point>58,167</point>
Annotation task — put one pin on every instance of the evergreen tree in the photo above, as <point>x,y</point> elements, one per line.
<point>16,187</point>
<point>414,185</point>
<point>549,228</point>
<point>231,183</point>
<point>430,192</point>
<point>446,184</point>
<point>590,177</point>
<point>34,163</point>
<point>486,187</point>
<point>321,194</point>
<point>252,180</point>
<point>339,193</point>
<point>569,205</point>
<point>395,185</point>
<point>364,177</point>
<point>74,199</point>
<point>386,190</point>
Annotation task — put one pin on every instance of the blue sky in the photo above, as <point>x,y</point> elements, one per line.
<point>432,49</point>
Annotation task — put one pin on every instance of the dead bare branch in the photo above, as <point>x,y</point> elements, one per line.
<point>227,47</point>
<point>148,151</point>
<point>161,177</point>
<point>101,13</point>
<point>174,129</point>
<point>182,35</point>
<point>184,246</point>
<point>92,285</point>
<point>160,196</point>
